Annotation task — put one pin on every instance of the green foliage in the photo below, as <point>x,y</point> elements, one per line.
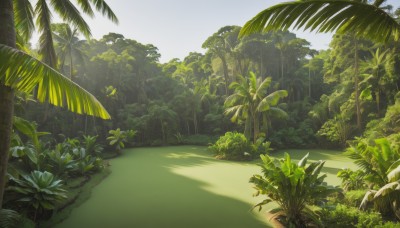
<point>294,187</point>
<point>352,180</point>
<point>9,218</point>
<point>91,146</point>
<point>354,198</point>
<point>320,16</point>
<point>379,160</point>
<point>40,190</point>
<point>233,146</point>
<point>119,138</point>
<point>344,216</point>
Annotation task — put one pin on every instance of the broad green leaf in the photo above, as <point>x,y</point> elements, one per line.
<point>25,73</point>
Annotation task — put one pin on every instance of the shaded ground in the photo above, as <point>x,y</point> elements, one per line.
<point>180,187</point>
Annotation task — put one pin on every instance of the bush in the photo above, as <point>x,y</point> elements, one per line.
<point>354,198</point>
<point>344,216</point>
<point>233,146</point>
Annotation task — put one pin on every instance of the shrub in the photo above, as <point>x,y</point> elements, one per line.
<point>296,188</point>
<point>233,146</point>
<point>344,216</point>
<point>39,190</point>
<point>353,198</point>
<point>352,180</point>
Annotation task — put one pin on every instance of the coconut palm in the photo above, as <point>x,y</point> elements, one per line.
<point>22,72</point>
<point>250,100</point>
<point>68,45</point>
<point>342,16</point>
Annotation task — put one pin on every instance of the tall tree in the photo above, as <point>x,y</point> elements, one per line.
<point>217,45</point>
<point>68,45</point>
<point>22,72</point>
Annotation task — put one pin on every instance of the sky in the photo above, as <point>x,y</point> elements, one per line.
<point>177,27</point>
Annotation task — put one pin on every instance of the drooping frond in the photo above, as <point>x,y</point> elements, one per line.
<point>23,16</point>
<point>24,73</point>
<point>43,21</point>
<point>342,16</point>
<point>70,13</point>
<point>102,6</point>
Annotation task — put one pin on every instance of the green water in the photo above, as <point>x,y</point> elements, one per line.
<point>181,187</point>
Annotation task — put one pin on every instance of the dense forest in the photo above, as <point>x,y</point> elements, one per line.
<point>265,91</point>
<point>326,104</point>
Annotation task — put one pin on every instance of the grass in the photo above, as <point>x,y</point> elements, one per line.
<point>181,187</point>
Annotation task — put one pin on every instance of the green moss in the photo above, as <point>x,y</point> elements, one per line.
<point>180,186</point>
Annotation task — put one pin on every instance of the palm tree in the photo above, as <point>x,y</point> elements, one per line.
<point>68,45</point>
<point>22,72</point>
<point>250,100</point>
<point>217,45</point>
<point>375,75</point>
<point>342,16</point>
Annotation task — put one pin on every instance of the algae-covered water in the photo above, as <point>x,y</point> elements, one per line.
<point>182,187</point>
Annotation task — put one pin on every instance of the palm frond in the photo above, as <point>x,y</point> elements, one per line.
<point>23,16</point>
<point>23,72</point>
<point>43,20</point>
<point>342,16</point>
<point>86,7</point>
<point>70,13</point>
<point>9,218</point>
<point>102,6</point>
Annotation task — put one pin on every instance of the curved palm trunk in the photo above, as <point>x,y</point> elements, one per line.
<point>7,37</point>
<point>356,81</point>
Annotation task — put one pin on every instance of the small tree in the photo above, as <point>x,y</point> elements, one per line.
<point>119,138</point>
<point>294,187</point>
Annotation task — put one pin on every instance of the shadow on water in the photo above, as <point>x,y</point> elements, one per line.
<point>145,190</point>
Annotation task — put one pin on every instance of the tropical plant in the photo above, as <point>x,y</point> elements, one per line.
<point>59,162</point>
<point>233,146</point>
<point>33,150</point>
<point>22,72</point>
<point>91,146</point>
<point>40,190</point>
<point>351,180</point>
<point>9,218</point>
<point>294,187</point>
<point>68,45</point>
<point>380,162</point>
<point>343,16</point>
<point>250,102</point>
<point>119,138</point>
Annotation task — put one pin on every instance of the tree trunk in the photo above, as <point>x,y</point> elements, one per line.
<point>256,126</point>
<point>226,76</point>
<point>357,91</point>
<point>7,37</point>
<point>196,130</point>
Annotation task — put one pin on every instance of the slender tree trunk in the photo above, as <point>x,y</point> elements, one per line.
<point>247,128</point>
<point>256,126</point>
<point>226,76</point>
<point>7,37</point>
<point>309,79</point>
<point>378,102</point>
<point>162,131</point>
<point>196,130</point>
<point>70,66</point>
<point>356,86</point>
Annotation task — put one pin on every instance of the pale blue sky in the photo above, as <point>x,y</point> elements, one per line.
<point>178,27</point>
